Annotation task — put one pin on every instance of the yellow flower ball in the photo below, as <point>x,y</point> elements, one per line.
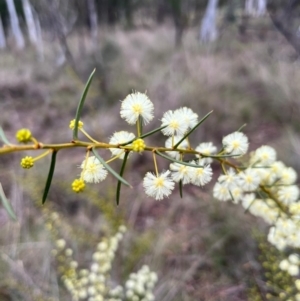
<point>72,124</point>
<point>138,145</point>
<point>23,135</point>
<point>27,162</point>
<point>78,185</point>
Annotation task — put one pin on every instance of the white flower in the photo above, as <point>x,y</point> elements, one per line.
<point>235,143</point>
<point>293,270</point>
<point>189,116</point>
<point>272,174</point>
<point>230,179</point>
<point>288,194</point>
<point>135,105</point>
<point>264,155</point>
<point>82,294</point>
<point>158,186</point>
<point>175,122</point>
<point>284,264</point>
<point>120,138</point>
<point>91,290</point>
<point>294,258</point>
<point>277,167</point>
<point>288,176</point>
<point>295,210</point>
<point>236,194</point>
<point>206,148</point>
<point>221,192</point>
<point>249,179</point>
<point>60,243</point>
<point>93,171</point>
<point>171,141</point>
<point>202,175</point>
<point>180,172</point>
<point>248,200</point>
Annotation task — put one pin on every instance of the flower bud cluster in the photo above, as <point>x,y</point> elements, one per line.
<point>87,283</point>
<point>23,135</point>
<point>27,162</point>
<point>92,284</point>
<point>291,264</point>
<point>140,285</point>
<point>279,284</point>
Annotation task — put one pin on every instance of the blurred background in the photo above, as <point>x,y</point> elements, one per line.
<point>238,58</point>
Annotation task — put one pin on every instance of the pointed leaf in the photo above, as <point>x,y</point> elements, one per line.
<point>153,132</point>
<point>115,174</point>
<point>252,202</point>
<point>192,130</point>
<point>6,204</point>
<point>177,161</point>
<point>144,135</point>
<point>50,176</point>
<point>218,156</point>
<point>80,105</point>
<point>3,137</point>
<point>232,198</point>
<point>180,188</point>
<point>121,175</point>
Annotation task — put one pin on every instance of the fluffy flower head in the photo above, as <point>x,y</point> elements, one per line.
<point>288,194</point>
<point>206,148</point>
<point>158,186</point>
<point>202,175</point>
<point>190,117</point>
<point>249,179</point>
<point>135,105</point>
<point>181,172</point>
<point>264,155</point>
<point>230,179</point>
<point>175,122</point>
<point>92,170</point>
<point>221,192</point>
<point>235,143</point>
<point>171,141</point>
<point>120,138</point>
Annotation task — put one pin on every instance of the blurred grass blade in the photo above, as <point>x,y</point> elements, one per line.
<point>177,161</point>
<point>50,176</point>
<point>121,175</point>
<point>3,137</point>
<point>180,188</point>
<point>192,130</point>
<point>115,174</point>
<point>80,105</point>
<point>240,129</point>
<point>6,204</point>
